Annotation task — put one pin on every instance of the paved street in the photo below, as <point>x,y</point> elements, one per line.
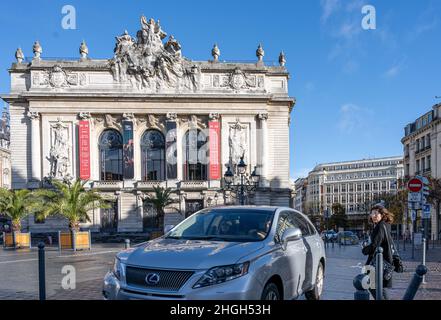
<point>19,278</point>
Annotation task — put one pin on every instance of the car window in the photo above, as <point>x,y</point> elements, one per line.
<point>302,224</point>
<point>225,225</point>
<point>285,222</point>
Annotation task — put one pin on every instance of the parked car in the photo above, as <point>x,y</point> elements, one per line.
<point>329,235</point>
<point>347,238</point>
<point>225,253</point>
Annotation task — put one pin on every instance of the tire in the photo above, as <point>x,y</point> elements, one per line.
<point>317,291</point>
<point>270,292</point>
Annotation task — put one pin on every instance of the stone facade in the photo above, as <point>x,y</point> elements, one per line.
<point>5,154</point>
<point>149,85</point>
<point>422,153</point>
<point>353,184</point>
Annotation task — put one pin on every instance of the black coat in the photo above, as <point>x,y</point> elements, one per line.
<point>379,238</point>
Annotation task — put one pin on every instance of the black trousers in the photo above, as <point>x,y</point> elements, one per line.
<point>385,294</point>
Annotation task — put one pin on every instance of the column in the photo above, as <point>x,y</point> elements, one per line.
<point>173,143</point>
<point>263,117</point>
<point>35,146</point>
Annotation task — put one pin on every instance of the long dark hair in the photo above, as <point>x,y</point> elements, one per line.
<point>388,216</point>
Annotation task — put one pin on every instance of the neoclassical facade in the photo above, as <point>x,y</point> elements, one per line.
<point>422,155</point>
<point>146,117</point>
<point>5,154</point>
<point>354,184</point>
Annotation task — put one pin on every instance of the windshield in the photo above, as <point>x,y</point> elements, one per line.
<point>244,225</point>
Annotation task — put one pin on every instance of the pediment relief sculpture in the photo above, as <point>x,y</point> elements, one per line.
<point>149,64</point>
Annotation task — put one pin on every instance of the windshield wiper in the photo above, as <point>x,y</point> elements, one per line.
<point>206,238</point>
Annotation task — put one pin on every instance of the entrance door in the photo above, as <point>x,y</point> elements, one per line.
<point>109,218</point>
<point>149,219</point>
<point>192,206</point>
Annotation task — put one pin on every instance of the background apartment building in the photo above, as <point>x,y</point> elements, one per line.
<point>422,153</point>
<point>356,185</point>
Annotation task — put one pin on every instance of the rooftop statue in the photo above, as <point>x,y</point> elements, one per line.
<point>38,50</point>
<point>19,55</point>
<point>84,50</point>
<point>149,64</point>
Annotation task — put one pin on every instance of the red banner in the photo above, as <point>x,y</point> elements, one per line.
<point>214,131</point>
<point>84,149</point>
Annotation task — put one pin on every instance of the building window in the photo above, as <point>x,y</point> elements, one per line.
<point>111,156</point>
<point>153,156</point>
<point>429,165</point>
<point>359,187</point>
<point>366,187</point>
<point>428,141</point>
<point>195,162</point>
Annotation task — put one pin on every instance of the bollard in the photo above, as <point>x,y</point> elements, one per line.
<point>379,274</point>
<point>415,283</point>
<point>361,284</point>
<point>41,272</point>
<point>127,243</point>
<point>424,258</point>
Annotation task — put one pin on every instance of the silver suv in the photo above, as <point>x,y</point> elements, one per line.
<point>225,253</point>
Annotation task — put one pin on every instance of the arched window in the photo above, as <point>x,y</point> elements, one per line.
<point>195,156</point>
<point>111,156</point>
<point>153,156</point>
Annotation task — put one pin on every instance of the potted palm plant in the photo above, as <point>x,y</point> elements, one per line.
<point>73,202</point>
<point>159,200</point>
<point>16,205</point>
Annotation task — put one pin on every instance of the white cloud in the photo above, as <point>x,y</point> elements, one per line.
<point>349,30</point>
<point>395,70</point>
<point>351,66</point>
<point>422,28</point>
<point>345,29</point>
<point>426,21</point>
<point>353,118</point>
<point>329,7</point>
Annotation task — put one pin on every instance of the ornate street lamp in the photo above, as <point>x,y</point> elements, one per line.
<point>247,184</point>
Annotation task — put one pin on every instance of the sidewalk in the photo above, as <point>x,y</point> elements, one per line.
<point>429,291</point>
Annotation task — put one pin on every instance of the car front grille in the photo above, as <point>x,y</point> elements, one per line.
<point>169,280</point>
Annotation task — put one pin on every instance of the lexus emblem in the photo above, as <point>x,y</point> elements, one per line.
<point>152,279</point>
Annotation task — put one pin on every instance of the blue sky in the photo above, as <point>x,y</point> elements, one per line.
<point>356,89</point>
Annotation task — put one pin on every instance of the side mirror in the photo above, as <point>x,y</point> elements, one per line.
<point>291,234</point>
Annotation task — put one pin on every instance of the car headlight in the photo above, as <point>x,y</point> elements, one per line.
<point>222,274</point>
<point>118,269</point>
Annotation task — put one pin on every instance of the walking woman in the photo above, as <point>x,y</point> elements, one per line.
<point>380,237</point>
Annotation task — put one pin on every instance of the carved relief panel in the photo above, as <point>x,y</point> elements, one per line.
<point>59,153</point>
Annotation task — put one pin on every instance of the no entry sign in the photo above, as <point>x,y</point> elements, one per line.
<point>415,185</point>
